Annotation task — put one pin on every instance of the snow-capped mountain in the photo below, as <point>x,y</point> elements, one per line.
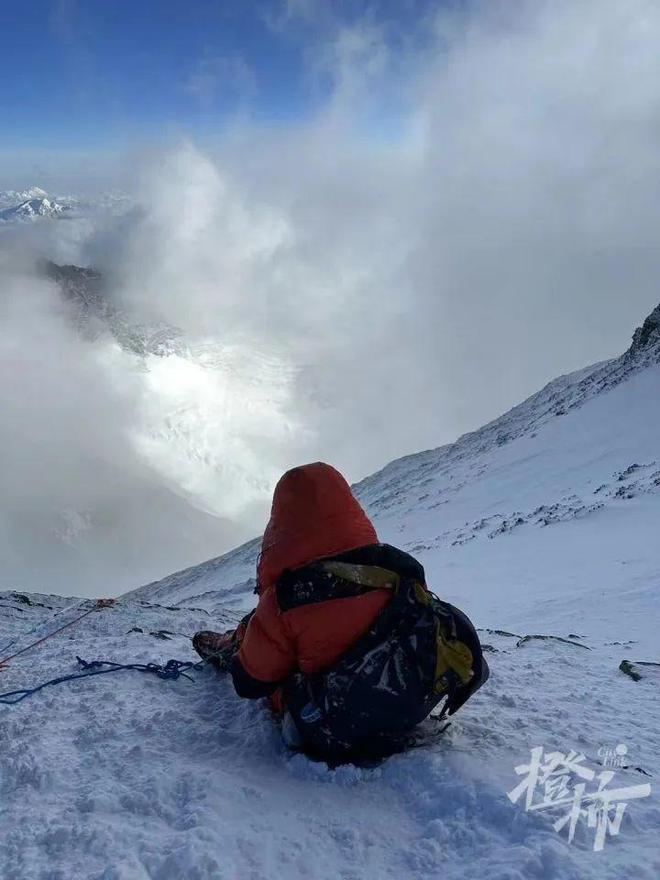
<point>35,204</point>
<point>30,205</point>
<point>543,525</point>
<point>32,209</point>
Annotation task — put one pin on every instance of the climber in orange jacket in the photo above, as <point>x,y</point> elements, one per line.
<point>314,516</point>
<point>346,640</point>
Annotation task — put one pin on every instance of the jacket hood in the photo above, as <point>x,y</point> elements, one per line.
<point>314,515</point>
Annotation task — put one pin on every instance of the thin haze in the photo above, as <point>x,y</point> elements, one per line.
<point>464,212</point>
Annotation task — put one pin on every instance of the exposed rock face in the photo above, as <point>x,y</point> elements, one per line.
<point>94,313</point>
<point>647,337</point>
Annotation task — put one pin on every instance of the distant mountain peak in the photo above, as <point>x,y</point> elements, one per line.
<point>31,208</point>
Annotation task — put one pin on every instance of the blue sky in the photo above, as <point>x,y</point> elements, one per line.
<point>94,73</point>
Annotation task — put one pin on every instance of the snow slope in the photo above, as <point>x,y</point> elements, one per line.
<point>543,523</point>
<point>583,453</point>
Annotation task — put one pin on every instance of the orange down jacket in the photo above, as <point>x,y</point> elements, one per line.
<point>314,516</point>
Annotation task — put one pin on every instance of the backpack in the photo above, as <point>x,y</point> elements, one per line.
<point>418,652</point>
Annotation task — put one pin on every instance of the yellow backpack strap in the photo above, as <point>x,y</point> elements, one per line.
<point>454,661</point>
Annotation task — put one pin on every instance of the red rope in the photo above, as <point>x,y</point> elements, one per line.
<point>100,604</point>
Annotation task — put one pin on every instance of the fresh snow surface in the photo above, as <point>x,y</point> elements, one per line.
<point>543,523</point>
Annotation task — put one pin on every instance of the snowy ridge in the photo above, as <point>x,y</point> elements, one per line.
<point>226,581</point>
<point>35,204</point>
<point>442,498</point>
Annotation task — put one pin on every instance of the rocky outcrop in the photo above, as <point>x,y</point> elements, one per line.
<point>94,312</point>
<point>647,337</point>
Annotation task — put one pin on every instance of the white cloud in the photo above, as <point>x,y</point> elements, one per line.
<point>370,289</point>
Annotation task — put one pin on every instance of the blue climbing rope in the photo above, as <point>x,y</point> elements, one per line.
<point>172,670</point>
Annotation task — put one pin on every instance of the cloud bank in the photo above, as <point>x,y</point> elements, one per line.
<point>471,211</point>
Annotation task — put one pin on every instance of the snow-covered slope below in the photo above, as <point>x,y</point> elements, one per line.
<point>543,526</point>
<point>132,778</point>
